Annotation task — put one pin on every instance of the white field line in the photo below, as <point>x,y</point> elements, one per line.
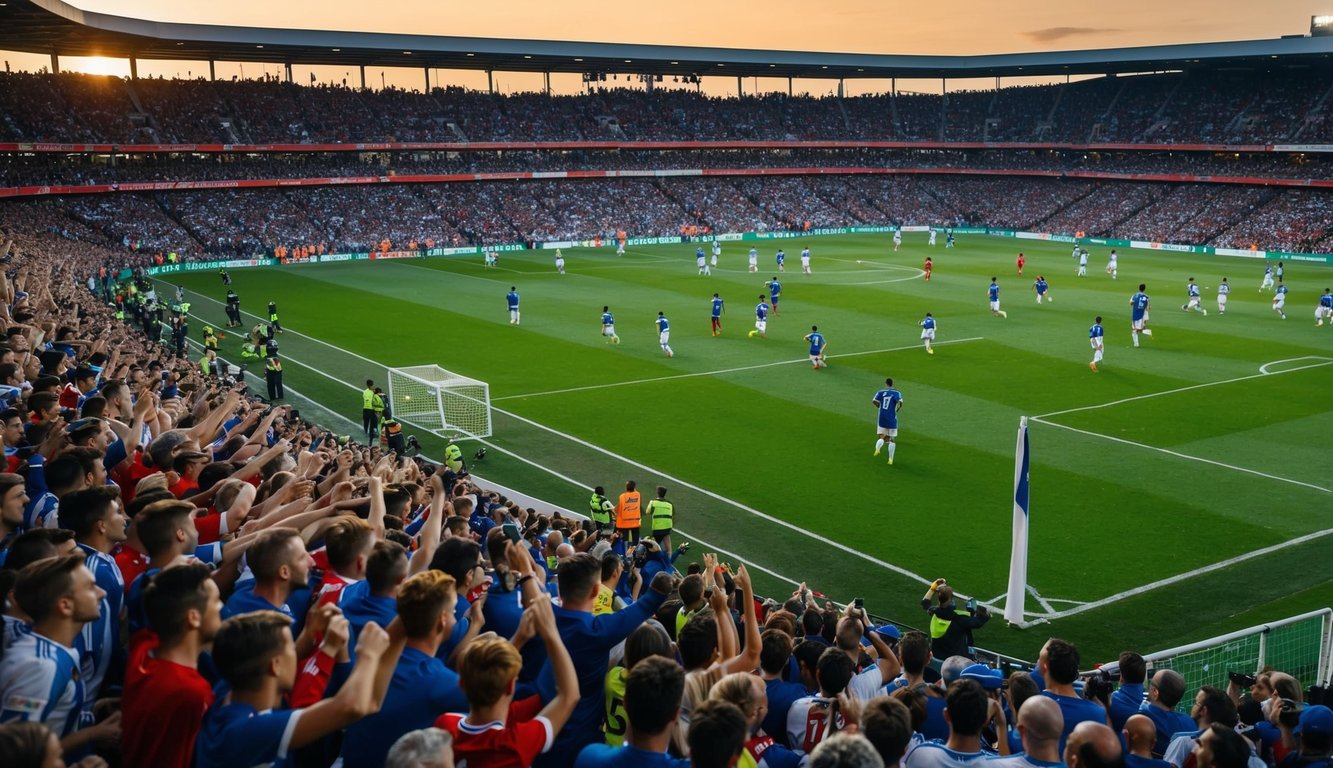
<point>1041,600</point>
<point>1180,455</point>
<point>721,371</point>
<point>1117,597</point>
<point>1327,361</point>
<point>678,481</point>
<point>1264,368</point>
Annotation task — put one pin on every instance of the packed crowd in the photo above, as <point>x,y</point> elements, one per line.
<point>1202,106</point>
<point>193,575</point>
<point>342,219</point>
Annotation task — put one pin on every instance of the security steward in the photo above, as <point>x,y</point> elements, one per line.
<point>661,512</point>
<point>369,422</point>
<point>393,436</point>
<point>628,515</point>
<point>273,377</point>
<point>600,509</point>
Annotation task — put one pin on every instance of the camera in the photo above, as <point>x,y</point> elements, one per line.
<point>971,605</point>
<point>1099,685</point>
<point>412,446</point>
<point>480,454</point>
<point>1241,679</point>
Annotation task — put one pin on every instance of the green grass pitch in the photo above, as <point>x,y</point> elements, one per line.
<point>771,460</point>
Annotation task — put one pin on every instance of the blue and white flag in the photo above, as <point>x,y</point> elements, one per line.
<point>1018,557</point>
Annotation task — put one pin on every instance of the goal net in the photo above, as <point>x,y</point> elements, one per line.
<point>431,397</point>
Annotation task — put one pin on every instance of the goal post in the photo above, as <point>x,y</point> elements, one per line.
<point>431,397</point>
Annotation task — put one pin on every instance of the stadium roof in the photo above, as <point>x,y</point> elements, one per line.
<point>53,26</point>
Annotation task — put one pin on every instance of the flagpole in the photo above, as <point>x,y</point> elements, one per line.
<point>1018,557</point>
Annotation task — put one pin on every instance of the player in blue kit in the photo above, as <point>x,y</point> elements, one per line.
<point>1280,299</point>
<point>760,318</point>
<point>1325,309</point>
<point>1139,313</point>
<point>774,293</point>
<point>1096,335</point>
<point>817,344</point>
<point>702,261</point>
<point>1041,287</point>
<point>664,334</point>
<point>993,293</point>
<point>782,260</point>
<point>889,401</point>
<point>609,326</point>
<point>718,306</point>
<point>928,333</point>
<point>511,299</point>
<point>1193,298</point>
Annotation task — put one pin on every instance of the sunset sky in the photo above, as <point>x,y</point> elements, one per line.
<point>888,26</point>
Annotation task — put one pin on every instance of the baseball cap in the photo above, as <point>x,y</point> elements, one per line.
<point>990,679</point>
<point>888,632</point>
<point>1315,719</point>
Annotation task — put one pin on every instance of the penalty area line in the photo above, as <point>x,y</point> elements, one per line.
<point>722,371</point>
<point>1264,368</point>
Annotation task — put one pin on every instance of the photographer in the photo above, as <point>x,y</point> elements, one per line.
<point>951,628</point>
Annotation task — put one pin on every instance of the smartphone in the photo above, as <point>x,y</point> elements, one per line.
<point>512,533</point>
<point>859,603</point>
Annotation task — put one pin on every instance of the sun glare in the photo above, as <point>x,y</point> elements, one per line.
<point>97,65</point>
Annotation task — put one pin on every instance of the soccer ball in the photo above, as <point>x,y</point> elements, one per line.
<point>407,397</point>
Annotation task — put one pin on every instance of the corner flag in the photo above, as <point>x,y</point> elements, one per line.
<point>1018,557</point>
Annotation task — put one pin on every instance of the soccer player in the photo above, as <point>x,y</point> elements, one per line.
<point>897,239</point>
<point>1019,262</point>
<point>1097,336</point>
<point>1279,272</point>
<point>760,318</point>
<point>994,294</point>
<point>609,326</point>
<point>1139,313</point>
<point>817,345</point>
<point>1222,291</point>
<point>488,258</point>
<point>511,299</point>
<point>1268,279</point>
<point>1082,264</point>
<point>928,332</point>
<point>948,238</point>
<point>701,261</point>
<point>774,293</point>
<point>931,242</point>
<point>620,246</point>
<point>1280,299</point>
<point>1042,287</point>
<point>1325,309</point>
<point>754,259</point>
<point>1192,291</point>
<point>805,260</point>
<point>782,262</point>
<point>559,261</point>
<point>929,265</point>
<point>1111,266</point>
<point>718,306</point>
<point>889,401</point>
<point>717,251</point>
<point>664,334</point>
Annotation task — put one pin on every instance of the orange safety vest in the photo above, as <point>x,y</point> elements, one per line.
<point>627,510</point>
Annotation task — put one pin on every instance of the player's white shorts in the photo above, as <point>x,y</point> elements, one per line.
<point>1095,343</point>
<point>715,259</point>
<point>1279,301</point>
<point>805,261</point>
<point>928,334</point>
<point>664,337</point>
<point>608,330</point>
<point>754,262</point>
<point>560,263</point>
<point>995,306</point>
<point>761,326</point>
<point>1110,266</point>
<point>1222,300</point>
<point>1139,324</point>
<point>1321,312</point>
<point>888,432</point>
<point>700,262</point>
<point>1268,282</point>
<point>1193,302</point>
<point>816,358</point>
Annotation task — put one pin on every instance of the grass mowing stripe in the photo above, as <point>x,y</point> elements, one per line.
<point>724,370</point>
<point>1179,455</point>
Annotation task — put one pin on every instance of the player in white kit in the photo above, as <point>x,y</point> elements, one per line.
<point>805,260</point>
<point>559,261</point>
<point>897,239</point>
<point>1223,290</point>
<point>1111,266</point>
<point>1193,298</point>
<point>754,260</point>
<point>1268,279</point>
<point>717,251</point>
<point>1082,264</point>
<point>931,242</point>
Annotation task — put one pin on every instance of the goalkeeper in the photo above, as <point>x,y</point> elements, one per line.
<point>951,626</point>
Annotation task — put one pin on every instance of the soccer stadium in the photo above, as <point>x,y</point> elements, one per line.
<point>696,406</point>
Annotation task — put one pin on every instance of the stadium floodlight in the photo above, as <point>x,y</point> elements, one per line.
<point>442,401</point>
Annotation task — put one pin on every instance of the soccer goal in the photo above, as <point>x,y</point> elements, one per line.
<point>440,400</point>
